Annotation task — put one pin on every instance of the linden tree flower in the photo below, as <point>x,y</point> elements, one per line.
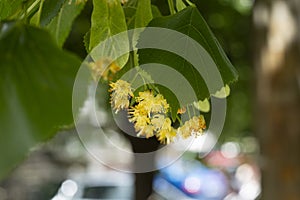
<point>151,103</point>
<point>120,94</point>
<point>158,121</point>
<point>141,122</point>
<point>159,104</point>
<point>138,115</point>
<point>148,116</point>
<point>167,133</point>
<point>166,136</point>
<point>147,131</point>
<point>146,95</point>
<point>195,125</point>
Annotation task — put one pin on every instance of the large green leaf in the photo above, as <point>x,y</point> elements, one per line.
<point>108,19</point>
<point>143,13</point>
<point>36,80</point>
<point>189,22</point>
<point>61,25</point>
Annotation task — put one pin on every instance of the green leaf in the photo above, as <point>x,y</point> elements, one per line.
<point>189,22</point>
<point>130,15</point>
<point>129,12</point>
<point>4,9</point>
<point>155,11</point>
<point>61,25</point>
<point>49,10</point>
<point>9,7</point>
<point>108,19</point>
<point>36,81</point>
<point>143,13</point>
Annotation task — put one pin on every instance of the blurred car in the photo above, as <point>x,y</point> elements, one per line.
<point>187,180</point>
<point>104,185</point>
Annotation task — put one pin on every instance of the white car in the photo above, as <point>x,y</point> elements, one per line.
<point>105,185</point>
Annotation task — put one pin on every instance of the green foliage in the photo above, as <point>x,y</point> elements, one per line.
<point>61,25</point>
<point>233,31</point>
<point>108,19</point>
<point>8,7</point>
<point>190,22</point>
<point>37,75</point>
<point>131,15</point>
<point>143,13</point>
<point>35,90</point>
<point>155,11</point>
<point>49,10</point>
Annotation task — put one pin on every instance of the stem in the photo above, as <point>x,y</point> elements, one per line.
<point>171,7</point>
<point>194,111</point>
<point>26,11</point>
<point>180,121</point>
<point>39,13</point>
<point>188,110</point>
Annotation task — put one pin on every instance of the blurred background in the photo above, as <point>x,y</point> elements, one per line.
<point>257,155</point>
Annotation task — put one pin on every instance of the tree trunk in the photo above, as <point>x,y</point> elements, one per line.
<point>277,64</point>
<point>143,180</point>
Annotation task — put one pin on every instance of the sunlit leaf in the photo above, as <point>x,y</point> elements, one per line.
<point>143,13</point>
<point>36,80</point>
<point>108,19</point>
<point>180,5</point>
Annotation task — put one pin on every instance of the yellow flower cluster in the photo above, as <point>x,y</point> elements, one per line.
<point>150,114</point>
<point>166,133</point>
<point>152,104</point>
<point>149,117</point>
<point>196,125</point>
<point>120,94</point>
